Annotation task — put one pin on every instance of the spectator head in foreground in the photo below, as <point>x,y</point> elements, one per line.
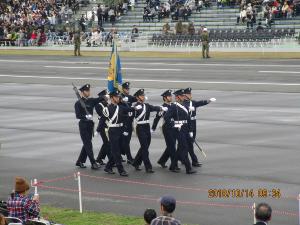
<point>167,207</point>
<point>149,215</point>
<point>2,220</point>
<point>263,213</point>
<point>21,185</point>
<point>21,205</point>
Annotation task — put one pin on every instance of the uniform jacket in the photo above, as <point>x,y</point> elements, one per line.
<point>160,115</point>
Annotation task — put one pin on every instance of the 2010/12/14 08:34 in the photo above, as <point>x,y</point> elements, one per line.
<point>245,193</point>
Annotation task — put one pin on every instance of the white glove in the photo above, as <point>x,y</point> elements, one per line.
<point>152,131</point>
<point>89,117</point>
<point>192,108</point>
<point>165,109</point>
<point>212,99</point>
<point>191,134</point>
<point>146,98</point>
<point>138,107</point>
<point>125,133</point>
<point>125,99</point>
<point>177,126</point>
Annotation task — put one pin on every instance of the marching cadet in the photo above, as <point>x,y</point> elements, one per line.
<point>142,115</point>
<point>104,151</point>
<point>115,112</point>
<point>86,126</point>
<point>178,117</point>
<point>169,134</point>
<point>192,108</point>
<point>127,99</point>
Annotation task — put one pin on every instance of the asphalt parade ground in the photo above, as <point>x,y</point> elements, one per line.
<point>250,135</point>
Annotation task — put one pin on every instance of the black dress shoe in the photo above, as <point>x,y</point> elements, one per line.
<point>109,171</point>
<point>95,166</point>
<point>149,171</point>
<point>137,168</point>
<point>100,161</point>
<point>197,164</point>
<point>177,168</point>
<point>124,174</point>
<point>174,170</point>
<point>191,171</point>
<point>162,165</point>
<point>80,165</point>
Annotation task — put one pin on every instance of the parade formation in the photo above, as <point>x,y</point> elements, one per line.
<point>120,113</point>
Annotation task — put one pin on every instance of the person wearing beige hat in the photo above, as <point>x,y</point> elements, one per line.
<point>20,204</point>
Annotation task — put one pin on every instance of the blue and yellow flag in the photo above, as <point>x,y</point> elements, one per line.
<point>114,78</point>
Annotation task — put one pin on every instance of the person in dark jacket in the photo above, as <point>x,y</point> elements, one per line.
<point>168,132</point>
<point>142,115</point>
<point>263,214</point>
<point>115,114</point>
<point>178,117</point>
<point>102,127</point>
<point>192,106</point>
<point>128,100</point>
<point>86,126</point>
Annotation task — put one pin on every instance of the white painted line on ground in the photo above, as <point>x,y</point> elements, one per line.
<point>283,72</point>
<point>158,81</point>
<point>106,68</point>
<point>155,63</point>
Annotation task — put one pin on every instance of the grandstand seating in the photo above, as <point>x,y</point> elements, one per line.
<point>230,36</point>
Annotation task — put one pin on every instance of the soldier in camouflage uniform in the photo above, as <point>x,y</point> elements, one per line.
<point>205,43</point>
<point>77,42</point>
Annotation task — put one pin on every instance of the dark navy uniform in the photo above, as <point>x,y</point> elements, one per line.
<point>143,132</point>
<point>169,135</point>
<point>86,128</point>
<point>101,129</point>
<point>178,116</point>
<point>115,114</point>
<point>192,107</point>
<point>127,100</point>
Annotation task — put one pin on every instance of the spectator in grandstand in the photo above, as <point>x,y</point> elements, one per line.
<point>167,207</point>
<point>2,220</point>
<point>33,38</point>
<point>99,15</point>
<point>259,27</point>
<point>179,27</point>
<point>20,204</point>
<point>82,23</point>
<point>149,215</point>
<point>134,33</point>
<point>112,16</point>
<point>146,14</point>
<point>263,214</point>
<point>191,28</point>
<point>166,28</point>
<point>1,32</point>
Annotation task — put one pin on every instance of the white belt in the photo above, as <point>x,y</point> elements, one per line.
<point>180,121</point>
<point>142,122</point>
<point>193,118</point>
<point>115,125</point>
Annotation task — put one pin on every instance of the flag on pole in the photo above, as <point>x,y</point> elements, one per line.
<point>114,78</point>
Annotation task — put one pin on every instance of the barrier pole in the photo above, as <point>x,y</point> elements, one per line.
<point>35,187</point>
<point>254,208</point>
<point>79,192</point>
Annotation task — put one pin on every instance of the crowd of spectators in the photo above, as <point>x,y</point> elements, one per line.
<point>267,11</point>
<point>176,9</point>
<point>23,22</point>
<point>25,207</point>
